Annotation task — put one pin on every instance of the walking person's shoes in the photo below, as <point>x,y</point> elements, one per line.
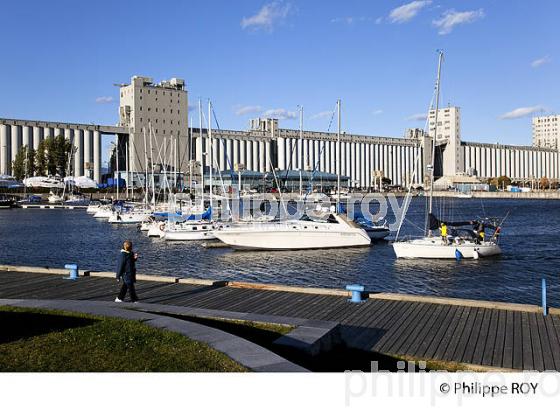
<point>118,300</point>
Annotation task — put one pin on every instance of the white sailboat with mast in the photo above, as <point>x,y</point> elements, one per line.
<point>203,228</point>
<point>466,243</point>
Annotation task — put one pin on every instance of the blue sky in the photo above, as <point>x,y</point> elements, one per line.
<point>61,58</point>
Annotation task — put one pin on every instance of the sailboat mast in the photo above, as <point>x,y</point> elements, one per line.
<point>146,167</point>
<point>202,144</point>
<point>438,81</point>
<point>301,146</point>
<point>152,166</point>
<point>338,156</point>
<point>211,161</point>
<point>118,170</point>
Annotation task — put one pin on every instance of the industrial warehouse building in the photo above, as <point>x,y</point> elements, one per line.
<point>157,113</point>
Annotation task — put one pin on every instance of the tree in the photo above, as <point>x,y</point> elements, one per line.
<point>503,182</point>
<point>53,155</point>
<point>544,183</point>
<point>41,158</point>
<point>18,164</point>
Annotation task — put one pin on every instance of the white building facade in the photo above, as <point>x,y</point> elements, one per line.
<point>160,112</point>
<point>546,131</point>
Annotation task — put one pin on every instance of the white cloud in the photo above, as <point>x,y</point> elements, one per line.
<point>104,100</point>
<point>540,61</point>
<point>280,113</point>
<point>247,109</point>
<point>379,20</point>
<point>417,117</point>
<point>267,17</point>
<point>377,112</point>
<point>322,114</point>
<point>452,18</point>
<point>408,11</point>
<point>522,112</point>
<point>350,20</point>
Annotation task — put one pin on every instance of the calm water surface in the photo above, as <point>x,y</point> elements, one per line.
<point>530,244</point>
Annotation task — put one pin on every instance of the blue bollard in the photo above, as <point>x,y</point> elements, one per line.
<point>73,268</point>
<point>356,293</point>
<point>543,286</point>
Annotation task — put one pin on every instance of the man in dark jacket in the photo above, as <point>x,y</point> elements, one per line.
<point>126,272</point>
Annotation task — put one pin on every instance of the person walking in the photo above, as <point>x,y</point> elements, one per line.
<point>126,272</point>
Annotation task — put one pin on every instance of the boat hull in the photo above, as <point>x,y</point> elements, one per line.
<point>377,234</point>
<point>291,239</point>
<point>435,249</point>
<point>188,235</point>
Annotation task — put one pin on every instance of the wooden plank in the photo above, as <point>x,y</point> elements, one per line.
<point>554,340</point>
<point>394,332</point>
<point>468,332</point>
<point>449,353</point>
<point>478,351</point>
<point>395,313</point>
<point>497,357</point>
<point>418,332</point>
<point>538,361</point>
<point>396,342</point>
<point>436,323</point>
<point>479,333</point>
<point>488,354</point>
<point>517,341</point>
<point>507,357</point>
<point>444,325</point>
<point>545,339</point>
<point>526,343</point>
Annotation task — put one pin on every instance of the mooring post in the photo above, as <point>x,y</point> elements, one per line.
<point>73,268</point>
<point>543,285</point>
<point>356,293</point>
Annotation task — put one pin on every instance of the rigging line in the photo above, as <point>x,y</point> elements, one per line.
<point>316,165</point>
<point>223,141</point>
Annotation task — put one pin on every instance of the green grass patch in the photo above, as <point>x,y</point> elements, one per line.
<point>38,340</point>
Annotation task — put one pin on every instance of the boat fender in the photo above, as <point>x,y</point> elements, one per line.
<point>475,254</point>
<point>458,254</point>
<point>161,227</point>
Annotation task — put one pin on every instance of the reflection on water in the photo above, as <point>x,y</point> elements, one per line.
<point>530,243</point>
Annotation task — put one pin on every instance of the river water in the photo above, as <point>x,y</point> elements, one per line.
<point>530,242</point>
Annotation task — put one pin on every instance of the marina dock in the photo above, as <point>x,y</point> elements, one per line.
<point>472,334</point>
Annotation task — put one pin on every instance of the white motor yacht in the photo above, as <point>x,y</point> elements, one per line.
<point>339,232</point>
<point>189,231</point>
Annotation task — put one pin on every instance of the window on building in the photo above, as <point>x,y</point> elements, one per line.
<point>156,109</point>
<point>148,91</point>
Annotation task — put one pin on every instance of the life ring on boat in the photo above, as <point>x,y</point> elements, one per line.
<point>161,226</point>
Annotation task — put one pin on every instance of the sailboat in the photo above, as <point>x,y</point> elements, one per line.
<point>461,243</point>
<point>336,232</point>
<point>196,227</point>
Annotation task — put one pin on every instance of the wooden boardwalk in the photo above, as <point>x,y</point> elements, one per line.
<point>481,336</point>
